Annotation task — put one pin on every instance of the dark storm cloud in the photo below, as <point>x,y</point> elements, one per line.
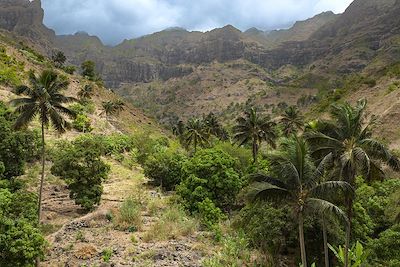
<point>115,20</point>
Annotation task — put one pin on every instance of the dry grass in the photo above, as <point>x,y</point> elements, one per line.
<point>173,224</point>
<point>128,216</point>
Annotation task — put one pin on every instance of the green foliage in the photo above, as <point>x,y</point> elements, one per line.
<point>242,155</point>
<point>129,215</point>
<point>266,226</point>
<point>165,168</point>
<point>81,166</point>
<point>86,107</point>
<point>69,69</point>
<point>375,199</point>
<point>16,147</point>
<point>107,254</point>
<point>58,58</point>
<point>357,254</point>
<point>10,69</point>
<point>385,248</point>
<point>210,215</point>
<point>210,174</point>
<point>235,252</point>
<point>89,70</point>
<point>20,241</point>
<point>82,123</point>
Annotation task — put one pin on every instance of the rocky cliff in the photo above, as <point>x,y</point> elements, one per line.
<point>25,18</point>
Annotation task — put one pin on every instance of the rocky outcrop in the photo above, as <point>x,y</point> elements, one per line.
<point>24,18</point>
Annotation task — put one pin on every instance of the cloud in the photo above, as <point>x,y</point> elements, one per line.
<point>115,20</point>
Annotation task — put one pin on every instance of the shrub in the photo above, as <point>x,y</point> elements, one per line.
<point>165,169</point>
<point>16,147</point>
<point>69,69</point>
<point>242,155</point>
<point>386,246</point>
<point>129,215</point>
<point>148,145</point>
<point>81,166</point>
<point>173,224</point>
<point>210,174</point>
<point>82,123</point>
<point>210,215</point>
<point>235,252</point>
<point>20,241</point>
<point>265,225</point>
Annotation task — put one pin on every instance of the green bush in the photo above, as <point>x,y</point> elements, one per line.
<point>148,145</point>
<point>16,147</point>
<point>210,174</point>
<point>210,215</point>
<point>165,169</point>
<point>69,69</point>
<point>81,166</point>
<point>10,69</point>
<point>386,247</point>
<point>82,123</point>
<point>266,226</point>
<point>83,107</point>
<point>20,240</point>
<point>242,155</point>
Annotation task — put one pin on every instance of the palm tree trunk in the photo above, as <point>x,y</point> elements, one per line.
<point>37,262</point>
<point>349,204</point>
<point>326,251</point>
<point>255,150</point>
<point>347,245</point>
<point>302,242</point>
<point>42,177</point>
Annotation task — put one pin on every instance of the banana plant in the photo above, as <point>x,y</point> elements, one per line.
<point>357,254</point>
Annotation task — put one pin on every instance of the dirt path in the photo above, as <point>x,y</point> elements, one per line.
<point>93,240</point>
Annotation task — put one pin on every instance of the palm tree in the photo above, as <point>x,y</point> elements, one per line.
<point>179,130</point>
<point>255,129</point>
<point>348,138</point>
<point>214,126</point>
<point>292,121</point>
<point>196,134</point>
<point>44,100</point>
<point>299,184</point>
<point>86,92</point>
<point>112,107</point>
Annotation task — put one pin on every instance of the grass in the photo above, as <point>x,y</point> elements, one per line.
<point>107,254</point>
<point>128,216</point>
<point>235,252</point>
<point>173,223</point>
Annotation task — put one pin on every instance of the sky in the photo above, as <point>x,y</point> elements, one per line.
<point>116,20</point>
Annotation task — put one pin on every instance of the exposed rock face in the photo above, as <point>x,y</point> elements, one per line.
<point>24,18</point>
<point>339,43</point>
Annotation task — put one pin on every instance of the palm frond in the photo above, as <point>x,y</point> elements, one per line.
<point>325,207</point>
<point>325,189</point>
<point>266,192</point>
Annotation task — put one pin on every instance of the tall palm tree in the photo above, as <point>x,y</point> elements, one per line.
<point>86,92</point>
<point>299,184</point>
<point>255,129</point>
<point>196,134</point>
<point>214,126</point>
<point>348,138</point>
<point>179,130</point>
<point>44,99</point>
<point>292,121</point>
